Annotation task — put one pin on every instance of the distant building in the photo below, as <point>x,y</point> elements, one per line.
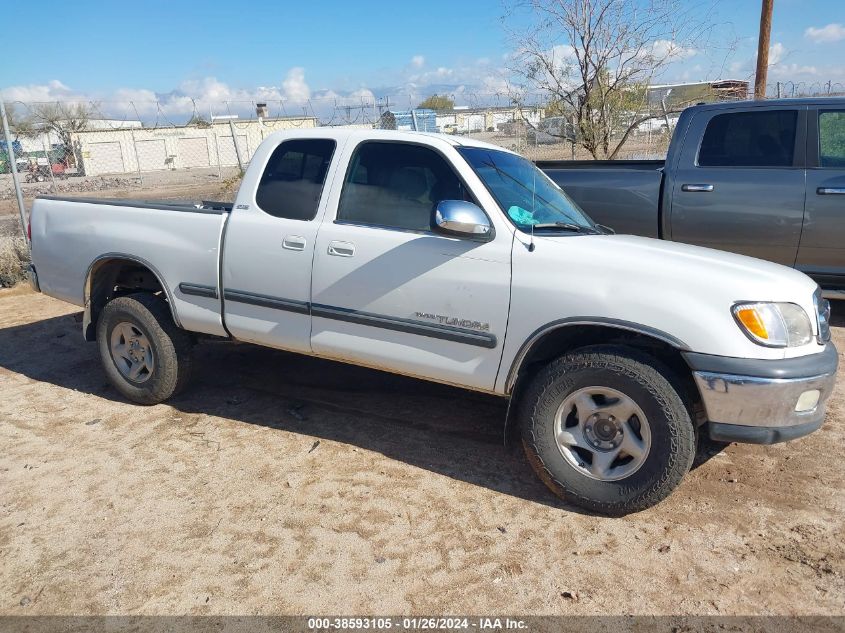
<point>419,120</point>
<point>138,149</point>
<point>51,140</point>
<point>465,120</point>
<point>682,94</point>
<point>112,124</point>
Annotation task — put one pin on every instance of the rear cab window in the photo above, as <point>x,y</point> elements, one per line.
<point>293,179</point>
<point>750,139</point>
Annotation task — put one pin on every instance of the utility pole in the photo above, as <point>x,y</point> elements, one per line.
<point>763,49</point>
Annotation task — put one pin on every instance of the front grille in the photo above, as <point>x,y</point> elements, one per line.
<point>823,315</point>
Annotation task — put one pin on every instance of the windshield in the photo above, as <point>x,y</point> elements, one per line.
<point>526,195</point>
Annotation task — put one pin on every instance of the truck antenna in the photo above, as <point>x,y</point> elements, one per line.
<point>533,208</point>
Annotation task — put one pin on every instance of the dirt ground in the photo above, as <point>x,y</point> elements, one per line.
<point>280,484</point>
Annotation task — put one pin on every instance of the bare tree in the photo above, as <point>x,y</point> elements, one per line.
<point>20,123</point>
<point>63,119</point>
<point>594,60</point>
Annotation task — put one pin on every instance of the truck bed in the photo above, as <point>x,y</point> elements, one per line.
<point>181,238</point>
<point>191,206</point>
<point>622,194</point>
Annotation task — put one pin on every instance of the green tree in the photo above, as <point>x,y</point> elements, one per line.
<point>437,102</point>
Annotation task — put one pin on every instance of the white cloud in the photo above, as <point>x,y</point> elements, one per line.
<point>53,90</point>
<point>562,55</point>
<point>418,61</point>
<point>671,51</point>
<point>782,68</point>
<point>833,32</point>
<point>205,96</point>
<point>362,93</point>
<point>792,72</point>
<point>777,51</point>
<point>294,85</point>
<point>353,98</point>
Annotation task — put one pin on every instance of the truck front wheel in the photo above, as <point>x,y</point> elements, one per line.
<point>145,356</point>
<point>605,429</point>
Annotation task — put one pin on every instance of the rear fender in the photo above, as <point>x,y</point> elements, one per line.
<point>92,288</point>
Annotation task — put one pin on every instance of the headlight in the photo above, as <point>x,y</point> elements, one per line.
<point>774,324</point>
<point>823,312</point>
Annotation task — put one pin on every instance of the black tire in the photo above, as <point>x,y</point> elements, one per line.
<point>645,381</point>
<point>171,347</point>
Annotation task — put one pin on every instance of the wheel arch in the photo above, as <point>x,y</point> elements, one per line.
<point>560,337</point>
<point>115,274</point>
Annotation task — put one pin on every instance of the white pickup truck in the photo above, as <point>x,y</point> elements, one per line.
<point>455,261</point>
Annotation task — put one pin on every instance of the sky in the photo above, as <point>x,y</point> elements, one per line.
<point>335,49</point>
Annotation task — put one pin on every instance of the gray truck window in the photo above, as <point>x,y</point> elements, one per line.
<point>291,184</point>
<point>832,138</point>
<point>397,185</point>
<point>749,139</point>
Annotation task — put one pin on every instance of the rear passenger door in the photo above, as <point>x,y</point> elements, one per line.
<point>822,251</point>
<point>390,293</point>
<point>739,182</point>
<point>269,245</point>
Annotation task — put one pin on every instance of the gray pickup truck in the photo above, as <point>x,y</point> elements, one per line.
<point>760,178</point>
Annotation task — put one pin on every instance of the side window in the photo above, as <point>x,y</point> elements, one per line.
<point>832,138</point>
<point>397,185</point>
<point>291,184</point>
<point>749,139</point>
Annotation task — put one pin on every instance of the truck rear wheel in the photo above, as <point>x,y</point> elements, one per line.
<point>605,429</point>
<point>145,356</point>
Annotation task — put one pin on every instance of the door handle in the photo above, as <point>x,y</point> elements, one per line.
<point>294,243</point>
<point>831,191</point>
<point>698,188</point>
<point>341,249</point>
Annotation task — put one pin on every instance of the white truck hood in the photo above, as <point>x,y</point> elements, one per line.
<point>682,290</point>
<point>748,277</point>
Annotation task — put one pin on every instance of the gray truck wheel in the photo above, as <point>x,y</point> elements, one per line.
<point>605,429</point>
<point>145,356</point>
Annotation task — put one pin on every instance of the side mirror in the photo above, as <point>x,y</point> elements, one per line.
<point>459,218</point>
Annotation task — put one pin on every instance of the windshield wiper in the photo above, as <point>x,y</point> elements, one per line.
<point>563,226</point>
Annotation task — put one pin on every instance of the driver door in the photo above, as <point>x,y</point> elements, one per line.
<point>388,292</point>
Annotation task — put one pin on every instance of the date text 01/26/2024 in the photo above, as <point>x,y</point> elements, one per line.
<point>415,623</point>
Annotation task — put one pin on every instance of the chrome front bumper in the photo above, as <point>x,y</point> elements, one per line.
<point>770,405</point>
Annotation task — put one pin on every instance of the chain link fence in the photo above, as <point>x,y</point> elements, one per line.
<point>174,149</point>
<point>149,150</point>
<point>192,149</point>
